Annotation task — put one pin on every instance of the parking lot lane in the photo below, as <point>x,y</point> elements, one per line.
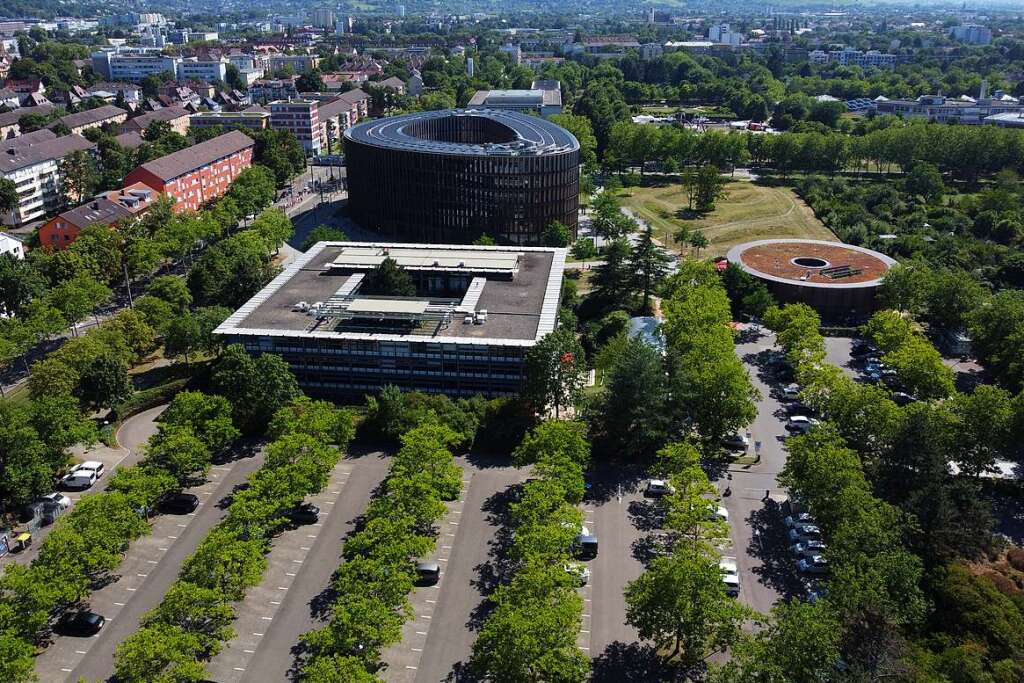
<point>142,589</point>
<point>284,561</point>
<point>274,658</point>
<point>616,493</point>
<point>469,576</point>
<point>837,353</point>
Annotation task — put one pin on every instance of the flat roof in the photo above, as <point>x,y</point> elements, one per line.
<point>531,136</point>
<point>520,309</point>
<point>812,263</point>
<point>361,257</point>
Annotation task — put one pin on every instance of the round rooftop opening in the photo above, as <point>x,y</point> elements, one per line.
<point>463,129</point>
<point>810,262</point>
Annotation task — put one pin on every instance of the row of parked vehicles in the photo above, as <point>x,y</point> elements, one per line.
<point>807,545</point>
<point>665,542</point>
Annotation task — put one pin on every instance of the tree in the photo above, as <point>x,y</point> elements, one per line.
<point>580,127</point>
<point>230,272</point>
<point>708,184</point>
<point>257,388</point>
<point>631,415</point>
<point>557,234</point>
<point>925,179</point>
<point>17,659</point>
<point>274,226</point>
<point>323,233</point>
<point>680,602</point>
<point>389,279</point>
<point>698,241</point>
<point>78,175</point>
<point>613,280</point>
<point>182,336</point>
<point>310,82</point>
<point>207,416</point>
<point>555,369</point>
<point>906,287</point>
<point>20,283</point>
<point>333,668</point>
<point>800,645</point>
<point>78,297</point>
<point>8,195</point>
<point>650,264</point>
<point>104,381</point>
<point>198,611</point>
<point>160,653</point>
<point>711,387</point>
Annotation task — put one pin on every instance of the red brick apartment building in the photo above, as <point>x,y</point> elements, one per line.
<point>195,175</point>
<point>109,208</point>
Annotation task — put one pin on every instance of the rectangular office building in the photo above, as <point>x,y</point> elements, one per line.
<point>476,312</point>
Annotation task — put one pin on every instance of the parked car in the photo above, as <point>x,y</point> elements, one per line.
<point>78,480</point>
<point>83,623</point>
<point>804,532</point>
<point>178,503</point>
<point>800,424</point>
<point>730,576</point>
<point>736,441</point>
<point>722,514</point>
<point>306,513</point>
<point>808,547</point>
<point>90,466</point>
<point>58,499</point>
<point>862,348</point>
<point>658,487</point>
<point>427,573</point>
<point>579,571</point>
<point>815,564</point>
<point>791,392</point>
<point>902,398</point>
<point>586,546</point>
<point>799,518</point>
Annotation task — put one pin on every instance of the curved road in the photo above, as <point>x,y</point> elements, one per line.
<point>136,430</point>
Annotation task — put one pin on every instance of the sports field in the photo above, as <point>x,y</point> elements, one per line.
<point>746,212</point>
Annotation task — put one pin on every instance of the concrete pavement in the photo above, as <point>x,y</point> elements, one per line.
<point>470,575</point>
<point>150,567</point>
<point>308,603</point>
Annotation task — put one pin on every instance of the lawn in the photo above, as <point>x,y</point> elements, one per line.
<point>746,212</point>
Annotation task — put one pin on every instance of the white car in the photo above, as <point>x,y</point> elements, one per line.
<point>730,575</point>
<point>582,529</point>
<point>90,466</point>
<point>580,571</point>
<point>809,547</point>
<point>659,487</point>
<point>722,514</point>
<point>58,499</point>
<point>815,564</point>
<point>791,392</point>
<point>799,518</point>
<point>801,424</point>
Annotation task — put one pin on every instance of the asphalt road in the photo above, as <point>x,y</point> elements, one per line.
<point>97,662</point>
<point>470,575</point>
<point>302,610</point>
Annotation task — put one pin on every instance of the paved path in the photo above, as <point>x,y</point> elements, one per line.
<point>275,655</point>
<point>150,567</point>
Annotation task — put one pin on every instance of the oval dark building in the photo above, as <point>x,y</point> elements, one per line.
<point>451,176</point>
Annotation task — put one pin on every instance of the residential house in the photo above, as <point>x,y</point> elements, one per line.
<point>108,208</point>
<point>9,121</point>
<point>175,115</point>
<point>91,118</point>
<point>200,173</point>
<point>11,246</point>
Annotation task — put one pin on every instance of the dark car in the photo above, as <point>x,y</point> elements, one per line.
<point>862,348</point>
<point>586,546</point>
<point>178,503</point>
<point>427,573</point>
<point>307,513</point>
<point>82,623</point>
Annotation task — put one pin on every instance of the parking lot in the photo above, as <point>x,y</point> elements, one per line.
<point>131,437</point>
<point>288,554</point>
<point>307,601</point>
<point>149,568</point>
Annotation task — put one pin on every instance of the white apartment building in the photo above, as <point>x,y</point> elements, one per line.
<point>851,57</point>
<point>724,35</point>
<point>972,34</point>
<point>203,70</point>
<point>543,102</point>
<point>132,64</point>
<point>11,246</point>
<point>33,164</point>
